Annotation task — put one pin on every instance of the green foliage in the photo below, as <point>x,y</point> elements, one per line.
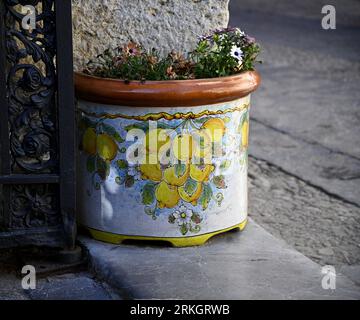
<point>148,193</point>
<point>122,164</point>
<point>103,168</point>
<point>221,53</point>
<point>206,196</point>
<point>90,164</point>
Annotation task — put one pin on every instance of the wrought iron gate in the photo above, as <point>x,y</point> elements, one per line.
<point>37,167</point>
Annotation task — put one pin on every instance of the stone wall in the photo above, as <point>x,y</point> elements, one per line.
<point>162,24</point>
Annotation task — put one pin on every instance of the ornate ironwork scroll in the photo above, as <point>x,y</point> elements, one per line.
<point>31,86</point>
<point>34,206</point>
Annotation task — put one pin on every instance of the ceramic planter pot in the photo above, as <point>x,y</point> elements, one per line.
<point>184,202</point>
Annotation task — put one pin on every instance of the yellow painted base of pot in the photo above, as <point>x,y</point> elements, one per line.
<point>176,242</point>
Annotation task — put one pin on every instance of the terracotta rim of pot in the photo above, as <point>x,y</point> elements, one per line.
<point>168,93</point>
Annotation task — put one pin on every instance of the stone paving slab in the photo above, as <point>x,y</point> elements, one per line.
<point>239,265</point>
<point>306,111</point>
<point>70,286</point>
<point>336,173</point>
<point>323,228</point>
<point>352,272</point>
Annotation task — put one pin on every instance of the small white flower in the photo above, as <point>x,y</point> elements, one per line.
<point>239,32</point>
<point>183,215</point>
<point>237,53</point>
<point>222,37</point>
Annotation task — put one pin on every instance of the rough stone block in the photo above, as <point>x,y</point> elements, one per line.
<point>163,24</point>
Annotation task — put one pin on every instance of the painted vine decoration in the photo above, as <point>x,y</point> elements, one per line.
<point>182,191</point>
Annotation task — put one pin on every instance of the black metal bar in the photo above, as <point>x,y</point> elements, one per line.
<point>4,129</point>
<point>29,179</point>
<point>53,236</point>
<point>66,107</point>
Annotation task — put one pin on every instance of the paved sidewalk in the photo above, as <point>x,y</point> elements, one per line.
<point>306,113</point>
<point>304,133</point>
<point>239,265</point>
<point>54,280</point>
<point>70,286</point>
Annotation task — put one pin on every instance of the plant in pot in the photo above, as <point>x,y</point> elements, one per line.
<point>163,141</point>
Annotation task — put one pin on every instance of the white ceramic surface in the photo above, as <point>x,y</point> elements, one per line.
<point>116,197</point>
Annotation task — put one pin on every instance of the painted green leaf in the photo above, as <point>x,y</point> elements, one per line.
<point>123,150</point>
<point>190,186</point>
<point>206,196</point>
<point>225,164</point>
<point>162,125</point>
<point>184,229</point>
<point>245,117</point>
<point>90,164</point>
<point>122,164</point>
<point>117,137</point>
<point>171,219</point>
<point>129,181</point>
<point>85,123</point>
<point>219,182</point>
<point>103,168</point>
<point>200,120</point>
<point>142,126</point>
<point>180,169</point>
<point>226,119</point>
<point>110,130</point>
<point>148,194</point>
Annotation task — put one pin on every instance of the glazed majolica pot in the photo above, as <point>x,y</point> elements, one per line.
<point>184,203</point>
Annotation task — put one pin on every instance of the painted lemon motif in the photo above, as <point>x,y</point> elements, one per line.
<point>151,172</point>
<point>182,147</point>
<point>202,144</point>
<point>177,175</point>
<point>216,127</point>
<point>201,173</point>
<point>245,134</point>
<point>166,195</point>
<point>191,191</point>
<point>155,139</point>
<point>106,147</point>
<point>89,141</point>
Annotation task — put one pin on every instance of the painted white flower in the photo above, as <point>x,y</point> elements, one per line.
<point>237,53</point>
<point>232,140</point>
<point>232,143</point>
<point>183,215</point>
<point>134,171</point>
